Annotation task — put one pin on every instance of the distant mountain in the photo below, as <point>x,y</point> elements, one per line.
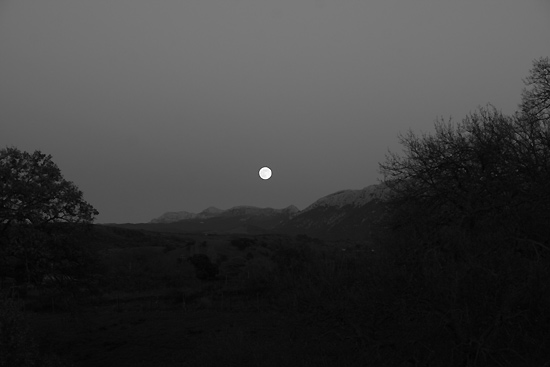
<point>209,212</point>
<point>254,211</point>
<point>238,219</point>
<point>354,198</point>
<point>343,214</point>
<point>236,211</point>
<point>171,217</point>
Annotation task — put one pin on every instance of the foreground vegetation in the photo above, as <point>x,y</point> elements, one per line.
<point>345,308</point>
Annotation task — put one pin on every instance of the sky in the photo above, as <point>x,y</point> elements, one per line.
<point>174,105</point>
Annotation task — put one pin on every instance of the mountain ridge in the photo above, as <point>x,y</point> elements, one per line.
<point>343,214</point>
<point>171,217</point>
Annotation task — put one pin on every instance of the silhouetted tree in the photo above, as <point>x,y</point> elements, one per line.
<point>204,269</point>
<point>488,173</point>
<point>242,243</point>
<point>40,213</point>
<point>33,190</point>
<point>469,220</point>
<point>464,175</point>
<point>536,95</point>
<point>533,155</point>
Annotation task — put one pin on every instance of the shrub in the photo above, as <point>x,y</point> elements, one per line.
<point>242,243</point>
<point>204,269</point>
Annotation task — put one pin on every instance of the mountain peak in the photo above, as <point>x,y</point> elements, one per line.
<point>343,198</point>
<point>291,208</point>
<point>170,217</point>
<point>345,213</point>
<point>211,210</point>
<point>342,214</point>
<point>248,210</point>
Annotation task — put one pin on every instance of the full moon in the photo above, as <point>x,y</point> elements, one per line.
<point>265,173</point>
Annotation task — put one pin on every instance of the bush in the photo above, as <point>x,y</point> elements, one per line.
<point>204,269</point>
<point>242,243</point>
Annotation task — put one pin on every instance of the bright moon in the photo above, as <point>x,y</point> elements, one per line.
<point>265,173</point>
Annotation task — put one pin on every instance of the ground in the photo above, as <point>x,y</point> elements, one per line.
<point>143,334</point>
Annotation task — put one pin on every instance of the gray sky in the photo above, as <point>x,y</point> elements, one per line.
<point>155,106</point>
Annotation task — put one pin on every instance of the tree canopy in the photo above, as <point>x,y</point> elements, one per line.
<point>486,174</point>
<point>536,95</point>
<point>40,213</point>
<point>33,190</point>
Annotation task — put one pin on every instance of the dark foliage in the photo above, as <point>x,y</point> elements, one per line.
<point>536,95</point>
<point>204,269</point>
<point>41,215</point>
<point>33,190</point>
<point>242,243</point>
<point>468,227</point>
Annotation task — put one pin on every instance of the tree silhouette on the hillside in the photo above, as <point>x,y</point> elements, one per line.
<point>466,174</point>
<point>40,212</point>
<point>536,95</point>
<point>468,229</point>
<point>34,191</point>
<point>204,268</point>
<point>488,173</point>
